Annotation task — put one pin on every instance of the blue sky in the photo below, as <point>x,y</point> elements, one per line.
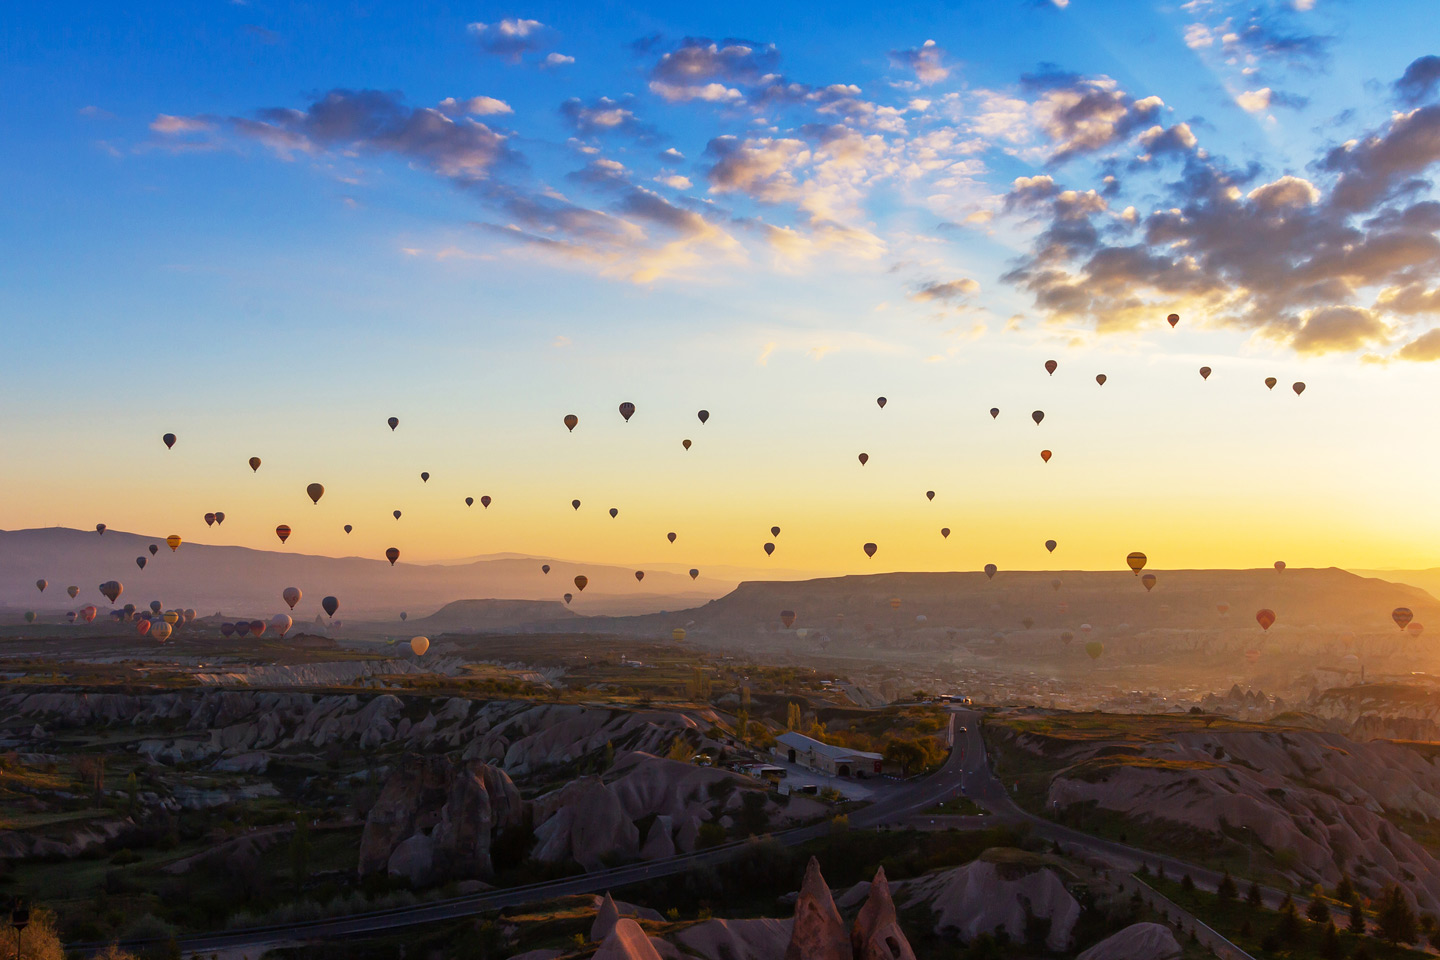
<point>266,228</point>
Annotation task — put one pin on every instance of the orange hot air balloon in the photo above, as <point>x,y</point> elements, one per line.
<point>864,459</point>
<point>703,415</point>
<point>394,422</point>
<point>1136,561</point>
<point>316,491</point>
<point>670,537</point>
<point>685,444</point>
<point>1402,616</point>
<point>580,582</point>
<point>544,568</point>
<point>1279,565</point>
<point>1173,319</point>
<point>678,634</point>
<point>88,612</point>
<point>1415,629</point>
<point>945,532</point>
<point>254,464</point>
<point>142,627</point>
<point>418,645</point>
<point>1149,581</point>
<point>396,514</point>
<point>991,570</point>
<point>1270,383</point>
<point>392,555</point>
<point>1298,387</point>
<point>769,549</point>
<point>870,549</point>
<point>627,410</point>
<point>1266,618</point>
<point>1100,378</point>
<point>291,595</point>
<point>774,531</point>
<point>694,573</point>
<point>283,532</point>
<point>1045,455</point>
<point>1050,366</point>
<point>173,541</point>
<point>787,617</point>
<point>571,421</point>
<point>1037,416</point>
<point>614,513</point>
<point>881,401</point>
<point>994,413</point>
<point>639,575</point>
<point>1050,545</point>
<point>485,501</point>
<point>209,519</point>
<point>1204,373</point>
<point>894,603</point>
<point>575,504</point>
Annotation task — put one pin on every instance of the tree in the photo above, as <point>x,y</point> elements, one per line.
<point>1288,930</point>
<point>1394,916</point>
<point>1317,912</point>
<point>38,942</point>
<point>1357,917</point>
<point>1187,884</point>
<point>1330,948</point>
<point>1345,890</point>
<point>792,716</point>
<point>1253,896</point>
<point>752,818</point>
<point>742,724</point>
<point>905,753</point>
<point>680,750</point>
<point>1226,890</point>
<point>300,853</point>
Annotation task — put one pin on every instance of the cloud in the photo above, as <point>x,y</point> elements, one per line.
<point>1254,101</point>
<point>508,39</point>
<point>557,60</point>
<point>1338,329</point>
<point>1423,349</point>
<point>475,107</point>
<point>1263,39</point>
<point>948,291</point>
<point>171,125</point>
<point>1376,167</point>
<point>674,181</point>
<point>1420,80</point>
<point>1081,115</point>
<point>764,357</point>
<point>927,61</point>
<point>603,115</point>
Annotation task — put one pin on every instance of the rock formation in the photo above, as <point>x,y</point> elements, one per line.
<point>818,933</point>
<point>1002,888</point>
<point>627,942</point>
<point>759,939</point>
<point>1139,941</point>
<point>437,819</point>
<point>605,919</point>
<point>877,934</point>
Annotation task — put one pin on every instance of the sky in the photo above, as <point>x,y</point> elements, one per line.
<point>266,228</point>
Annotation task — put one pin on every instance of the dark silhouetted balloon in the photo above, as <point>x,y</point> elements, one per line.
<point>219,517</point>
<point>1266,618</point>
<point>569,597</point>
<point>571,421</point>
<point>703,415</point>
<point>394,422</point>
<point>639,575</point>
<point>169,439</point>
<point>424,476</point>
<point>544,568</point>
<point>396,514</point>
<point>404,616</point>
<point>392,555</point>
<point>209,519</point>
<point>575,504</point>
<point>1149,581</point>
<point>627,410</point>
<point>870,549</point>
<point>945,532</point>
<point>1270,383</point>
<point>112,589</point>
<point>994,412</point>
<point>787,617</point>
<point>1137,561</point>
<point>864,459</point>
<point>73,591</point>
<point>1204,373</point>
<point>1402,616</point>
<point>1046,455</point>
<point>469,501</point>
<point>100,529</point>
<point>929,494</point>
<point>1055,584</point>
<point>991,570</point>
<point>329,605</point>
<point>257,627</point>
<point>254,464</point>
<point>670,537</point>
<point>1279,566</point>
<point>580,582</point>
<point>173,542</point>
<point>291,595</point>
<point>1050,545</point>
<point>881,401</point>
<point>694,573</point>
<point>1173,319</point>
<point>348,528</point>
<point>1298,387</point>
<point>140,562</point>
<point>1050,366</point>
<point>1037,416</point>
<point>41,585</point>
<point>769,549</point>
<point>774,531</point>
<point>154,548</point>
<point>242,628</point>
<point>614,513</point>
<point>1100,378</point>
<point>283,532</point>
<point>315,492</point>
<point>485,502</point>
<point>156,606</point>
<point>685,444</point>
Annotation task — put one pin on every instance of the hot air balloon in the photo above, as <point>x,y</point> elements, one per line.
<point>1149,581</point>
<point>670,537</point>
<point>1055,584</point>
<point>627,410</point>
<point>169,439</point>
<point>329,605</point>
<point>1415,629</point>
<point>1265,618</point>
<point>392,555</point>
<point>1270,383</point>
<point>787,617</point>
<point>870,549</point>
<point>1173,319</point>
<point>894,603</point>
<point>283,532</point>
<point>348,528</point>
<point>1066,636</point>
<point>694,573</point>
<point>173,541</point>
<point>485,502</point>
<point>424,476</point>
<point>87,613</point>
<point>1093,649</point>
<point>219,516</point>
<point>112,589</point>
<point>254,464</point>
<point>291,596</point>
<point>994,413</point>
<point>774,531</point>
<point>228,629</point>
<point>677,634</point>
<point>280,624</point>
<point>41,585</point>
<point>209,519</point>
<point>73,591</point>
<point>571,421</point>
<point>614,513</point>
<point>469,501</point>
<point>100,529</point>
<point>864,459</point>
<point>685,444</point>
<point>29,616</point>
<point>1037,416</point>
<point>580,582</point>
<point>569,597</point>
<point>171,617</point>
<point>1100,378</point>
<point>769,549</point>
<point>160,631</point>
<point>70,616</point>
<point>1204,373</point>
<point>575,504</point>
<point>396,514</point>
<point>257,627</point>
<point>1045,455</point>
<point>1027,622</point>
<point>990,571</point>
<point>242,628</point>
<point>1402,616</point>
<point>1050,366</point>
<point>142,627</point>
<point>1252,655</point>
<point>639,575</point>
<point>1050,545</point>
<point>394,422</point>
<point>154,548</point>
<point>418,645</point>
<point>1136,561</point>
<point>155,607</point>
<point>945,532</point>
<point>544,568</point>
<point>1279,565</point>
<point>703,415</point>
<point>881,401</point>
<point>315,491</point>
<point>140,562</point>
<point>1298,387</point>
<point>403,615</point>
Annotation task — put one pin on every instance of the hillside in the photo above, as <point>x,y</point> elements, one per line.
<point>239,580</point>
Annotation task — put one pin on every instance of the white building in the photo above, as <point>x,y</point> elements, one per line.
<point>836,761</point>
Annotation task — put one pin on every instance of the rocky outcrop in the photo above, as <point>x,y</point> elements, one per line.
<point>605,919</point>
<point>761,939</point>
<point>818,932</point>
<point>1003,888</point>
<point>1139,941</point>
<point>583,821</point>
<point>436,819</point>
<point>877,934</point>
<point>627,942</point>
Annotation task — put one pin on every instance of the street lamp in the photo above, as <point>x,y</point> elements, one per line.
<point>19,919</point>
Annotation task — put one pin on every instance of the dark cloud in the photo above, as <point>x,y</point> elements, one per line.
<point>1264,38</point>
<point>699,60</point>
<point>1083,115</point>
<point>946,291</point>
<point>927,61</point>
<point>603,115</point>
<point>1386,163</point>
<point>1420,80</point>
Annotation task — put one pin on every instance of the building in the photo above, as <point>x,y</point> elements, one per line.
<point>836,761</point>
